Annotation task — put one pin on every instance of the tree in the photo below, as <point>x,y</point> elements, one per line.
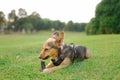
<point>12,17</point>
<point>27,27</point>
<point>57,25</point>
<point>107,18</point>
<point>69,26</point>
<point>46,24</point>
<point>79,27</point>
<point>35,14</point>
<point>19,24</point>
<point>36,21</point>
<point>92,26</point>
<point>2,18</point>
<point>22,13</point>
<point>2,22</point>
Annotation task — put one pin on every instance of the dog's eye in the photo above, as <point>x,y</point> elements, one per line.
<point>46,49</point>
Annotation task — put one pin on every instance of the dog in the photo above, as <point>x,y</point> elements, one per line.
<point>61,54</point>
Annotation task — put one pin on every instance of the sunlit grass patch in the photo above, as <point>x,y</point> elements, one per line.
<point>19,57</point>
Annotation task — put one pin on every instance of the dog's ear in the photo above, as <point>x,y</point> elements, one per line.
<point>59,38</point>
<point>62,35</point>
<point>52,45</point>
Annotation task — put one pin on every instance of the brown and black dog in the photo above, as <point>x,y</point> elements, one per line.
<point>61,55</point>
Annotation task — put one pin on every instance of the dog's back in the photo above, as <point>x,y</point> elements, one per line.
<point>73,52</point>
<point>80,53</point>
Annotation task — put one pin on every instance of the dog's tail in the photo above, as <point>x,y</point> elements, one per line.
<point>88,53</point>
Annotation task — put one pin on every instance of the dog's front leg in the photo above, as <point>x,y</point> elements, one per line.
<point>50,64</point>
<point>65,63</point>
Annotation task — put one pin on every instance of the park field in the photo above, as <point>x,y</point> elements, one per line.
<point>19,57</point>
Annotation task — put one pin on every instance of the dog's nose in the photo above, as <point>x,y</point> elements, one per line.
<point>39,57</point>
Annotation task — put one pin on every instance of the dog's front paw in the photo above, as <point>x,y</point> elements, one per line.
<point>47,70</point>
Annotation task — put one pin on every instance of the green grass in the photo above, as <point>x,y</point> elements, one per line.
<point>19,57</point>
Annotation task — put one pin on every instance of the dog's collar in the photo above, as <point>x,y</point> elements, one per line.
<point>59,52</point>
<point>74,51</point>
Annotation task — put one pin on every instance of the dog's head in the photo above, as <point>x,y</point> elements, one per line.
<point>50,47</point>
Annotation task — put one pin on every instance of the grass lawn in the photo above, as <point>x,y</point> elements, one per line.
<point>19,57</point>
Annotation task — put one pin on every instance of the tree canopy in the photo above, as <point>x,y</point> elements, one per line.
<point>107,18</point>
<point>22,22</point>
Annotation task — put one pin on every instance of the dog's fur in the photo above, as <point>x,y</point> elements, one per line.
<point>61,55</point>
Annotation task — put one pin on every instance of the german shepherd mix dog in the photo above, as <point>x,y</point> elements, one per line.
<point>61,55</point>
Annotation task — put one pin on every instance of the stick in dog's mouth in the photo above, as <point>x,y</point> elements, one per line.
<point>42,65</point>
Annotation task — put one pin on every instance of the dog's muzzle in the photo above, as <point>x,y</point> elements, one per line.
<point>44,58</point>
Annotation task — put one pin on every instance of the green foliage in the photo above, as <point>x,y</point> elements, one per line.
<point>92,27</point>
<point>46,24</point>
<point>19,57</point>
<point>78,27</point>
<point>19,24</point>
<point>69,26</point>
<point>2,18</point>
<point>57,25</point>
<point>12,16</point>
<point>107,18</point>
<point>34,22</point>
